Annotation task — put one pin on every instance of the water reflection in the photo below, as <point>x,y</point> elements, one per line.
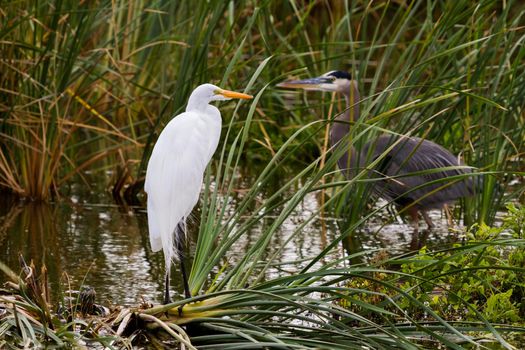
<point>97,246</point>
<point>105,246</point>
<point>29,229</point>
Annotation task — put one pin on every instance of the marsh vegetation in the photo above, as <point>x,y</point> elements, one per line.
<point>86,87</point>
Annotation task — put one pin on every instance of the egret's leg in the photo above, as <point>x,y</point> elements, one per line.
<point>427,220</point>
<point>180,249</point>
<point>167,299</point>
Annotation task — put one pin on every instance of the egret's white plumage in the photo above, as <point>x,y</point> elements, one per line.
<point>175,173</point>
<point>177,164</point>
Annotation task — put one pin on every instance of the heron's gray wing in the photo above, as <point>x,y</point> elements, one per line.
<point>414,155</point>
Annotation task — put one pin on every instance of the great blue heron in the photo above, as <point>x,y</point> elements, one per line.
<point>396,183</point>
<point>175,172</point>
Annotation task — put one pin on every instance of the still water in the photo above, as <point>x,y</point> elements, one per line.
<point>87,240</point>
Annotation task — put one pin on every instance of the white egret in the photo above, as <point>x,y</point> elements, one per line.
<point>175,172</point>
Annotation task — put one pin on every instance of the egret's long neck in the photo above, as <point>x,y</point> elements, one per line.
<point>341,125</point>
<point>196,102</point>
<point>341,129</point>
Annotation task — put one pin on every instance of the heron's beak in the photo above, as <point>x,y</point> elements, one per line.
<point>306,84</point>
<point>233,94</point>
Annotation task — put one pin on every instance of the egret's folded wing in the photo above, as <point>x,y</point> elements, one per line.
<point>174,178</point>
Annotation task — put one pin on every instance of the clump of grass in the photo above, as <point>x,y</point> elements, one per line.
<point>48,64</point>
<point>330,307</point>
<point>28,318</point>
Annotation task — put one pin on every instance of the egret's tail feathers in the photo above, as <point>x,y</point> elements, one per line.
<point>171,241</point>
<point>155,238</point>
<point>156,243</point>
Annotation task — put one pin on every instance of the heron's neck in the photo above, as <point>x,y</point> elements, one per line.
<point>341,125</point>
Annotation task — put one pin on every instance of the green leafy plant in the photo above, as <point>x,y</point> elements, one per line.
<point>481,277</point>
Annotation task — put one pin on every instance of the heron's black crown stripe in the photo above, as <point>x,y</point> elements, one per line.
<point>341,75</point>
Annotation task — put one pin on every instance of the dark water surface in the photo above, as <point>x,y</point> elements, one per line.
<point>88,240</point>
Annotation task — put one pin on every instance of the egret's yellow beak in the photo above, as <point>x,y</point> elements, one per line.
<point>233,94</point>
